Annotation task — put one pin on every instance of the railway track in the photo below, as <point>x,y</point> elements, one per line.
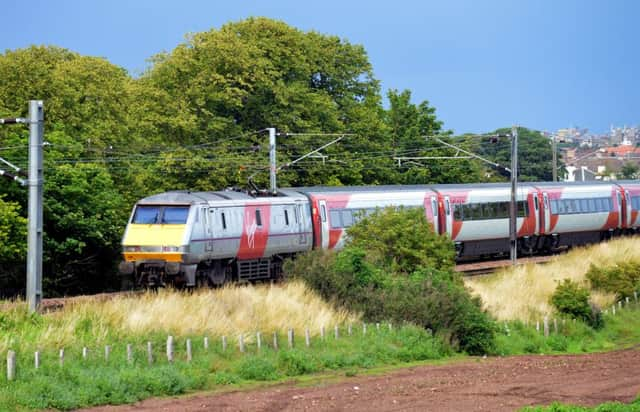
<point>487,267</point>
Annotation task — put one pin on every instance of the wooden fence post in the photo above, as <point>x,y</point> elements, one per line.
<point>129,354</point>
<point>307,337</point>
<point>11,365</point>
<point>107,352</point>
<point>635,296</point>
<point>537,326</point>
<point>613,310</point>
<point>206,343</point>
<point>224,343</point>
<point>36,359</point>
<point>259,340</point>
<point>626,301</point>
<point>349,329</point>
<point>619,304</point>
<point>241,342</point>
<point>377,325</point>
<point>149,353</point>
<point>390,328</point>
<point>85,353</point>
<point>336,332</point>
<point>170,348</point>
<point>189,353</point>
<point>61,355</point>
<point>275,340</point>
<point>555,325</point>
<point>290,338</point>
<point>364,328</point>
<point>546,327</point>
<point>322,332</point>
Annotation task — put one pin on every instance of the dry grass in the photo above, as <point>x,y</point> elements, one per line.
<point>227,311</point>
<point>523,292</point>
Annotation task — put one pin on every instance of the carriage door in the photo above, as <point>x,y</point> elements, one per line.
<point>302,233</point>
<point>434,212</point>
<point>448,216</point>
<point>547,213</point>
<point>324,224</point>
<point>537,214</point>
<point>621,209</point>
<point>627,202</point>
<point>209,217</point>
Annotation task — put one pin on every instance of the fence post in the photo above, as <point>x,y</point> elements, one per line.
<point>349,329</point>
<point>107,352</point>
<point>546,327</point>
<point>307,337</point>
<point>364,328</point>
<point>129,353</point>
<point>619,304</point>
<point>170,348</point>
<point>635,296</point>
<point>11,365</point>
<point>259,340</point>
<point>537,326</point>
<point>85,353</point>
<point>555,326</point>
<point>613,310</point>
<point>224,343</point>
<point>290,338</point>
<point>149,353</point>
<point>206,343</point>
<point>36,359</point>
<point>626,301</point>
<point>390,327</point>
<point>336,331</point>
<point>189,354</point>
<point>322,332</point>
<point>241,342</point>
<point>275,340</point>
<point>61,357</point>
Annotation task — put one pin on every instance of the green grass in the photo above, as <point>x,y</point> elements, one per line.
<point>620,330</point>
<point>93,381</point>
<point>605,407</point>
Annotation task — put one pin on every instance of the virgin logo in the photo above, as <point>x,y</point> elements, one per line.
<point>251,233</point>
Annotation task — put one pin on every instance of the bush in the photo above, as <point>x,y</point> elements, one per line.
<point>571,299</point>
<point>622,279</point>
<point>393,267</point>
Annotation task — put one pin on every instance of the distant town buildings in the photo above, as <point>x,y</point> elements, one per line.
<point>590,156</point>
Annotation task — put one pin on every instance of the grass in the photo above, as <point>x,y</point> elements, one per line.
<point>223,312</point>
<point>94,381</point>
<point>530,286</point>
<point>605,407</point>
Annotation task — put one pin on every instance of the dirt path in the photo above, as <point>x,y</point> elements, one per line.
<point>493,384</point>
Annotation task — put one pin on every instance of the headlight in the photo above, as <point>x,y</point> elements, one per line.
<point>132,248</point>
<point>170,248</point>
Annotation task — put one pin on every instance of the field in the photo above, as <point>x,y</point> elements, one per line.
<point>530,286</point>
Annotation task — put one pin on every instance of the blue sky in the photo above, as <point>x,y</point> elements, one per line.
<point>544,64</point>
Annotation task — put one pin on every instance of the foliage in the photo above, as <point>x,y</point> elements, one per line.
<point>571,299</point>
<point>605,407</point>
<point>623,278</point>
<point>394,267</point>
<point>629,170</point>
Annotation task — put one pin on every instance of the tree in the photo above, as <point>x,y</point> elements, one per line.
<point>629,170</point>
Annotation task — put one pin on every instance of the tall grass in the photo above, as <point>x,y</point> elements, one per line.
<point>523,292</point>
<point>227,311</point>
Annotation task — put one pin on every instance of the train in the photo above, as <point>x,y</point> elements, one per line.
<point>185,238</point>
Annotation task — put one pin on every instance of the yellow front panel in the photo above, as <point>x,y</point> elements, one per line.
<point>154,235</point>
<point>167,257</point>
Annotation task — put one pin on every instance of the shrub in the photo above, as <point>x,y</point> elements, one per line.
<point>572,299</point>
<point>622,279</point>
<point>386,272</point>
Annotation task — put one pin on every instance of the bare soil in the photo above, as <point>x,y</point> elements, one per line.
<point>491,384</point>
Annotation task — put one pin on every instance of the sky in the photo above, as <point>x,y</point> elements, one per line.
<point>483,64</point>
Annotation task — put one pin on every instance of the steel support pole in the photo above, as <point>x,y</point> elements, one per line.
<point>513,213</point>
<point>35,182</point>
<point>272,159</point>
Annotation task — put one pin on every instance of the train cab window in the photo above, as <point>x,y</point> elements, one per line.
<point>457,212</point>
<point>258,218</point>
<point>146,215</point>
<point>175,215</point>
<point>286,217</point>
<point>535,202</point>
<point>224,221</point>
<point>323,213</point>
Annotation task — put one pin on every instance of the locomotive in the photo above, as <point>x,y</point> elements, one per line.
<point>209,238</point>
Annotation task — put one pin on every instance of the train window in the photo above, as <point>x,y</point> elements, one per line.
<point>224,221</point>
<point>535,202</point>
<point>457,212</point>
<point>258,218</point>
<point>592,206</point>
<point>502,210</point>
<point>489,210</point>
<point>323,213</point>
<point>297,213</point>
<point>434,207</point>
<point>523,208</point>
<point>286,217</point>
<point>146,215</point>
<point>554,206</point>
<point>347,218</point>
<point>584,205</point>
<point>475,211</point>
<point>336,221</point>
<point>175,215</point>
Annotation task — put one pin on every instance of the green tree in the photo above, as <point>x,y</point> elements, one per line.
<point>629,170</point>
